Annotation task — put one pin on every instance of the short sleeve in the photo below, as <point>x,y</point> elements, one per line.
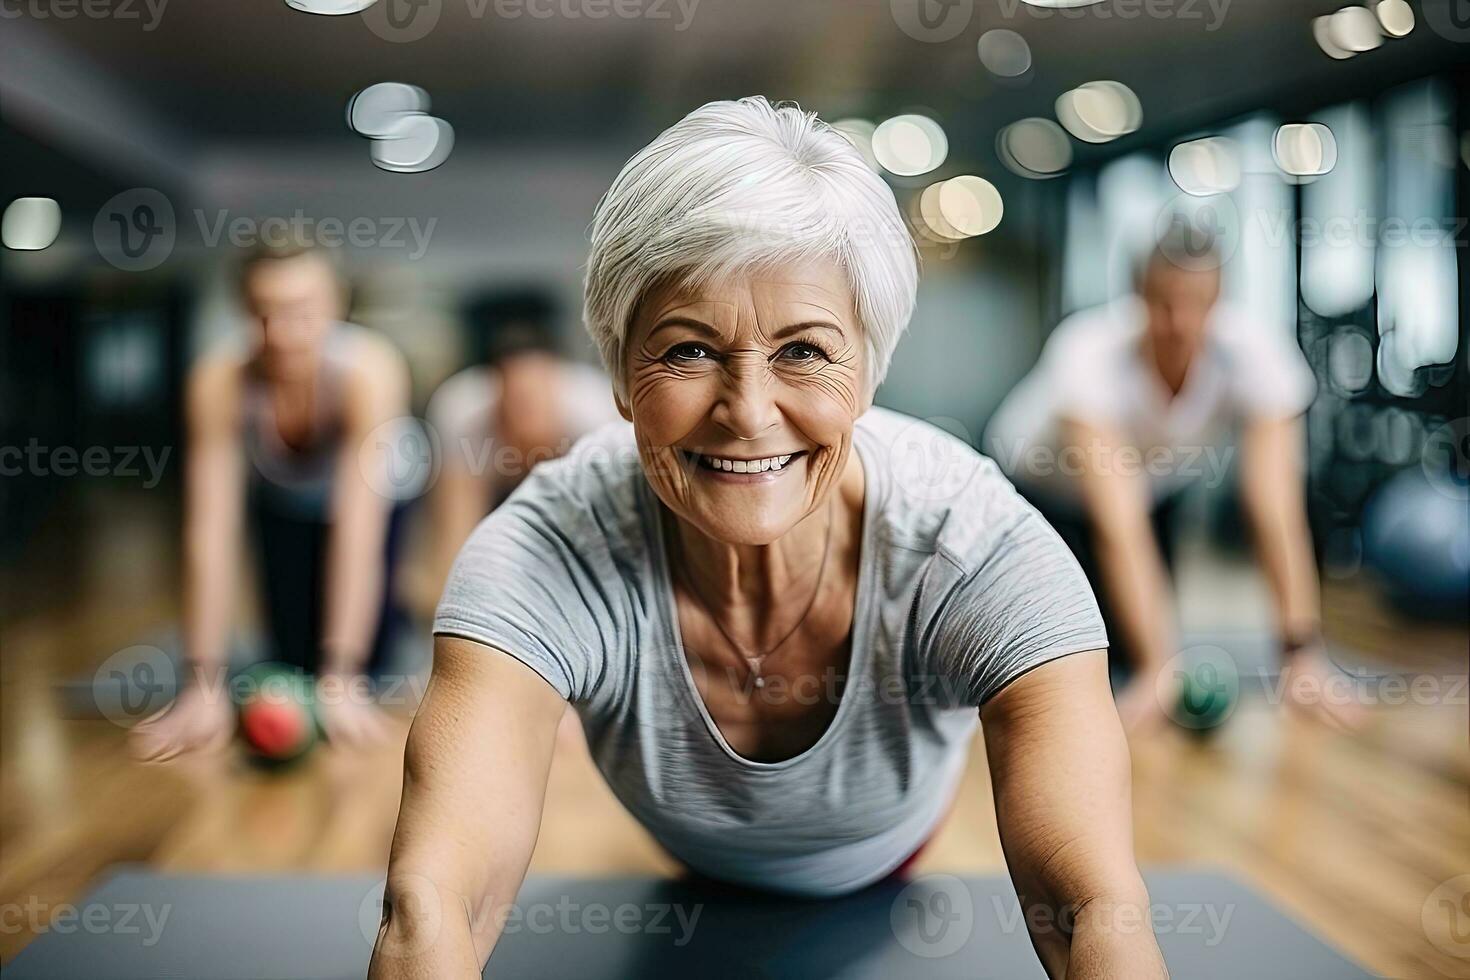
<point>1085,379</point>
<point>1269,377</point>
<point>459,413</point>
<point>524,585</point>
<point>1028,602</point>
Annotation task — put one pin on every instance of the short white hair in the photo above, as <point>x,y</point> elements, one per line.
<point>735,186</point>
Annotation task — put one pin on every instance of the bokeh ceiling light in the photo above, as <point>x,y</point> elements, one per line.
<point>859,133</point>
<point>970,205</point>
<point>1097,112</point>
<point>30,224</point>
<point>1354,29</point>
<point>1005,53</point>
<point>910,145</point>
<point>932,218</point>
<point>1062,3</point>
<point>1036,148</point>
<point>1395,16</point>
<point>1304,149</point>
<point>1206,166</point>
<point>1322,31</point>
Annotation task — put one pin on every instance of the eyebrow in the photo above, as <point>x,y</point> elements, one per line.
<point>709,331</point>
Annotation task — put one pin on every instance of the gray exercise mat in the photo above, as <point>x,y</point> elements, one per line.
<point>139,925</point>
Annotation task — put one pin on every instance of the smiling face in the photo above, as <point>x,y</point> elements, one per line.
<point>294,302</point>
<point>743,395</point>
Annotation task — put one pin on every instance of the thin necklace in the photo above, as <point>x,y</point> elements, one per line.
<point>754,663</point>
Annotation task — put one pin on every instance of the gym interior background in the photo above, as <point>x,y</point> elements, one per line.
<point>193,127</point>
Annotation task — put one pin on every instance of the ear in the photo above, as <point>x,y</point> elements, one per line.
<point>623,409</point>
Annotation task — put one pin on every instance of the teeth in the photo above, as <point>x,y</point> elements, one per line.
<point>746,465</point>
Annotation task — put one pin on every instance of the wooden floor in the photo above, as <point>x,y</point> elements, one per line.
<point>1350,834</point>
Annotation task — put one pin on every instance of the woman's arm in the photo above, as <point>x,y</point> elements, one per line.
<point>1130,564</point>
<point>214,502</point>
<point>474,783</point>
<point>458,501</point>
<point>1060,768</point>
<point>1275,504</point>
<point>376,393</point>
<point>1274,501</point>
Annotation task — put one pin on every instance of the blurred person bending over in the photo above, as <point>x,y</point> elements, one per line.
<point>275,436</point>
<point>1127,406</point>
<point>519,404</point>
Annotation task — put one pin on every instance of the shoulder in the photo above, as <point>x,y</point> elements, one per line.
<point>936,492</point>
<point>1262,363</point>
<point>463,401</point>
<point>366,356</point>
<point>588,397</point>
<point>595,487</point>
<point>1097,332</point>
<point>1243,341</point>
<point>216,384</point>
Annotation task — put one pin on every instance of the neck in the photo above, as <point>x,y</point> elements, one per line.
<point>745,583</point>
<point>730,578</point>
<point>1173,366</point>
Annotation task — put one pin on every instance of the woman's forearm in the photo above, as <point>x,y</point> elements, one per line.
<point>1112,936</point>
<point>1137,586</point>
<point>355,572</point>
<point>474,782</point>
<point>422,936</point>
<point>212,548</point>
<point>1275,504</point>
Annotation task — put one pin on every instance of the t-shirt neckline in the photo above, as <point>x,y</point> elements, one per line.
<point>673,640</point>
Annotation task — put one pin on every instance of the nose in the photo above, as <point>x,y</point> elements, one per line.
<point>747,402</point>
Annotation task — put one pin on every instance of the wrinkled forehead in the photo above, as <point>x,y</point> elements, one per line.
<point>755,298</point>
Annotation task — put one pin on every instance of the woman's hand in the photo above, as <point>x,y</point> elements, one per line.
<point>350,716</point>
<point>1317,689</point>
<point>200,719</point>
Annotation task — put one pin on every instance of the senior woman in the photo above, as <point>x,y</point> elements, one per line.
<point>778,611</point>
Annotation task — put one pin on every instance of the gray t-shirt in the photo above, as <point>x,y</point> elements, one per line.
<point>962,588</point>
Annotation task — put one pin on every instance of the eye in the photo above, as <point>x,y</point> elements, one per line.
<point>803,352</point>
<point>687,353</point>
